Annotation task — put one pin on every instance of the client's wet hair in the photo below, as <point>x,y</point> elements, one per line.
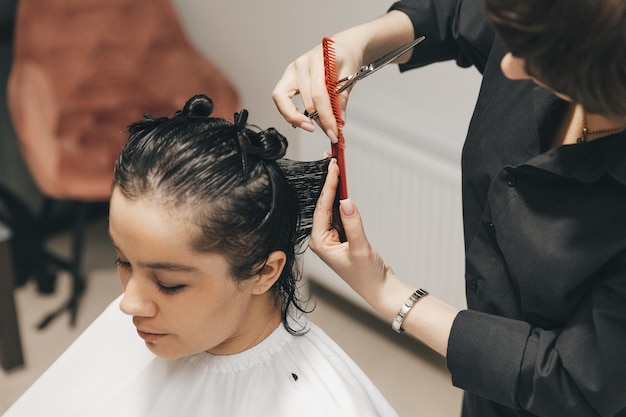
<point>231,178</point>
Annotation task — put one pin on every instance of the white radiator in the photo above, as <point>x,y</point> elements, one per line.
<point>409,194</point>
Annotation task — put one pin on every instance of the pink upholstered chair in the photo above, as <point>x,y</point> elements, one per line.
<point>82,71</point>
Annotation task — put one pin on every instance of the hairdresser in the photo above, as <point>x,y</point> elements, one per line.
<point>544,200</point>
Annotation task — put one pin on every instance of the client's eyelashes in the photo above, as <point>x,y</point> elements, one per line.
<point>122,264</point>
<point>173,289</point>
<point>166,289</point>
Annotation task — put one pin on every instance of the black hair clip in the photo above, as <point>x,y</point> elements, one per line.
<point>241,120</point>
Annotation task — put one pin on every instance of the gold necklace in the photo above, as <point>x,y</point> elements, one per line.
<point>586,132</point>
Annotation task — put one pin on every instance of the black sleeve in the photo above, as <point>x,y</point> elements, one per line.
<point>575,370</point>
<point>454,29</point>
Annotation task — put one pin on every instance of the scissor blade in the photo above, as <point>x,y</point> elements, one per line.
<point>377,64</point>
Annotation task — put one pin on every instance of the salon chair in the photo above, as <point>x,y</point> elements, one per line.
<point>82,71</point>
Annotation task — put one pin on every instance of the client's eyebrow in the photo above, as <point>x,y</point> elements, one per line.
<point>167,266</point>
<point>163,266</point>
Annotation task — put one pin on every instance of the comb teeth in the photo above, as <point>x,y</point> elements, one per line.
<point>331,77</point>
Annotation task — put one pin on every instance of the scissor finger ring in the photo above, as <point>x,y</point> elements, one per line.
<point>311,115</point>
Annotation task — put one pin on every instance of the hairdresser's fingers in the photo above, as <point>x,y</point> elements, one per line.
<point>283,93</point>
<point>322,216</point>
<point>343,103</point>
<point>353,227</point>
<point>366,269</point>
<point>323,235</point>
<point>321,102</point>
<point>311,77</point>
<point>348,60</point>
<point>355,261</point>
<point>304,76</point>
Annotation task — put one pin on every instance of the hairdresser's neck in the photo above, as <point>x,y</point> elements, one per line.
<point>262,317</point>
<point>576,119</point>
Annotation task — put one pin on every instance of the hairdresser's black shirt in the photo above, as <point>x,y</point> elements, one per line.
<point>545,239</point>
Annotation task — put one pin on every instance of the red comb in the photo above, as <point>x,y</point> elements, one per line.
<point>330,72</point>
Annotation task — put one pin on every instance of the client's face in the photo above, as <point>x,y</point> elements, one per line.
<point>182,301</point>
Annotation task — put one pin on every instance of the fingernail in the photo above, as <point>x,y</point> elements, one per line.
<point>332,161</point>
<point>331,135</point>
<point>347,207</point>
<point>307,126</point>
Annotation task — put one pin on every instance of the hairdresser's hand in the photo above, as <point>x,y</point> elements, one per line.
<point>305,76</point>
<point>355,261</point>
<point>353,47</point>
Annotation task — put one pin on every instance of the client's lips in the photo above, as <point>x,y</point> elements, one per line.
<point>150,337</point>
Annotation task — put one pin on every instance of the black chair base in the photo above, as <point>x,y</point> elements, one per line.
<point>11,356</point>
<point>52,263</point>
<point>32,259</point>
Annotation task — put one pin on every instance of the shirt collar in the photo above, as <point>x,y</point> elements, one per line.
<point>588,161</point>
<point>585,161</point>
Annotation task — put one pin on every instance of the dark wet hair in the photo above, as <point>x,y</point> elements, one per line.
<point>577,47</point>
<point>245,198</point>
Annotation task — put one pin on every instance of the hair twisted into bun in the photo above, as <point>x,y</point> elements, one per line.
<point>267,144</point>
<point>199,106</point>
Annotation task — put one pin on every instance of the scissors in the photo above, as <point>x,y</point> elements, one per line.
<point>367,70</point>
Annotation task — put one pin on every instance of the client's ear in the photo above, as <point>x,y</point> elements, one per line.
<point>270,273</point>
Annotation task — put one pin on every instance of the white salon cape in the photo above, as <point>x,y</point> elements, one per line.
<point>108,371</point>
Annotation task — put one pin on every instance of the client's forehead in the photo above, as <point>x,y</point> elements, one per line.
<point>147,218</point>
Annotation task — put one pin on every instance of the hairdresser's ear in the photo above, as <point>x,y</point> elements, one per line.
<point>271,272</point>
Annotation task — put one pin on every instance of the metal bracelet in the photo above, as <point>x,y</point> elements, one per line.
<point>406,307</point>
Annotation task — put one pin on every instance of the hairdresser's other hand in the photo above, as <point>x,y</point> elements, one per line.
<point>305,76</point>
<point>355,261</point>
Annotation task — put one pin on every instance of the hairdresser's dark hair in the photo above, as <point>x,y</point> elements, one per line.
<point>577,47</point>
<point>233,178</point>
